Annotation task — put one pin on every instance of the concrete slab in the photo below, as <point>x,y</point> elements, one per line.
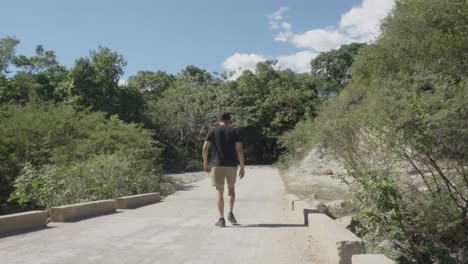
<point>371,259</point>
<point>22,221</point>
<point>339,243</point>
<point>82,210</point>
<point>134,201</point>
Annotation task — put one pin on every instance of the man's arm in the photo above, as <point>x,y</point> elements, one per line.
<point>206,147</point>
<point>240,156</point>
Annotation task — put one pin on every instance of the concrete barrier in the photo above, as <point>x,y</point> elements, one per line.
<point>128,202</point>
<point>371,259</point>
<point>339,243</point>
<point>82,210</point>
<point>303,208</point>
<point>22,221</point>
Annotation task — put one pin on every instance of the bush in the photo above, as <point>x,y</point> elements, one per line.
<point>54,155</point>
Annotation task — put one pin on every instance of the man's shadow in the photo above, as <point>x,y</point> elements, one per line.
<point>268,225</point>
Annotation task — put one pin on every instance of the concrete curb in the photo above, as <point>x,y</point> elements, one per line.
<point>134,201</point>
<point>371,259</point>
<point>82,210</point>
<point>339,243</point>
<point>22,221</point>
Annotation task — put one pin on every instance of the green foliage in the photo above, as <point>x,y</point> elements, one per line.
<point>333,68</point>
<point>151,84</point>
<point>46,147</point>
<point>7,53</point>
<point>269,103</point>
<point>400,128</point>
<point>100,177</point>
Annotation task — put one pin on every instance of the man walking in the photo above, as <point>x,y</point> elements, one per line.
<point>226,149</point>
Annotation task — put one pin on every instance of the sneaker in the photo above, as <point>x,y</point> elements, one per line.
<point>232,219</point>
<point>221,222</point>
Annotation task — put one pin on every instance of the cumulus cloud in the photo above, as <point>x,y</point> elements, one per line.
<point>359,24</point>
<point>320,39</point>
<point>276,19</point>
<point>362,22</point>
<point>298,62</point>
<point>239,62</point>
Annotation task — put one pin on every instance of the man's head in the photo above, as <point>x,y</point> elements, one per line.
<point>225,117</point>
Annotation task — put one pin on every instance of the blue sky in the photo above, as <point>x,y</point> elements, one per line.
<point>214,35</point>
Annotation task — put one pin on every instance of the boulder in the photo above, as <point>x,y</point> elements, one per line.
<point>328,171</point>
<point>340,208</point>
<point>388,245</point>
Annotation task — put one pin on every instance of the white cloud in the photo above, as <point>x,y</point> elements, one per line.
<point>286,26</point>
<point>320,39</point>
<point>123,82</point>
<point>298,62</point>
<point>276,18</point>
<point>239,62</point>
<point>359,24</point>
<point>362,22</point>
<point>283,36</point>
<point>276,21</point>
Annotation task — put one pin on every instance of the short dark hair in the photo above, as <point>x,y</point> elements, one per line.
<point>224,116</point>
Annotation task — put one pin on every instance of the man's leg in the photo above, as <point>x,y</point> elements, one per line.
<point>232,196</point>
<point>220,200</point>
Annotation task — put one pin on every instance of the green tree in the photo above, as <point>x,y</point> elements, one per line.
<point>400,128</point>
<point>7,53</point>
<point>151,84</point>
<point>333,67</point>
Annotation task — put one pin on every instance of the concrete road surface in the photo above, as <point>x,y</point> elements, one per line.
<point>179,230</point>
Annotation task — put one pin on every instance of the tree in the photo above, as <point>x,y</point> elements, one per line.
<point>7,53</point>
<point>151,84</point>
<point>333,67</point>
<point>94,83</point>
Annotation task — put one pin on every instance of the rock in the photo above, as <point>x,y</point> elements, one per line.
<point>328,172</point>
<point>318,205</point>
<point>190,168</point>
<point>340,208</point>
<point>347,222</point>
<point>388,245</point>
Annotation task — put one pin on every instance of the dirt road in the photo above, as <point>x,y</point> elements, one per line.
<point>179,230</point>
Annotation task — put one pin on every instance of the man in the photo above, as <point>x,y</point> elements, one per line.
<point>226,148</point>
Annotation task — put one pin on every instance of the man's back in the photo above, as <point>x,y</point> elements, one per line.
<point>223,147</point>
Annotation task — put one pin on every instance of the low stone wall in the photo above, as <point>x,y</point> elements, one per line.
<point>22,221</point>
<point>339,243</point>
<point>83,210</point>
<point>134,201</point>
<point>371,259</point>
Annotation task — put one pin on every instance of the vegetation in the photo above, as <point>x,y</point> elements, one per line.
<point>71,135</point>
<point>394,112</point>
<point>400,128</point>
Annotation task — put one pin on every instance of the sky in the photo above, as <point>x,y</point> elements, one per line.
<point>216,35</point>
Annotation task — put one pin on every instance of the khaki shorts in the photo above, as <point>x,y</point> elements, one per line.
<point>222,174</point>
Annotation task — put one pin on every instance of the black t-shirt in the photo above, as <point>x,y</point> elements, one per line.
<point>223,140</point>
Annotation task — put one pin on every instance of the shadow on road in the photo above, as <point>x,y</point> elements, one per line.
<point>8,234</point>
<point>269,225</point>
